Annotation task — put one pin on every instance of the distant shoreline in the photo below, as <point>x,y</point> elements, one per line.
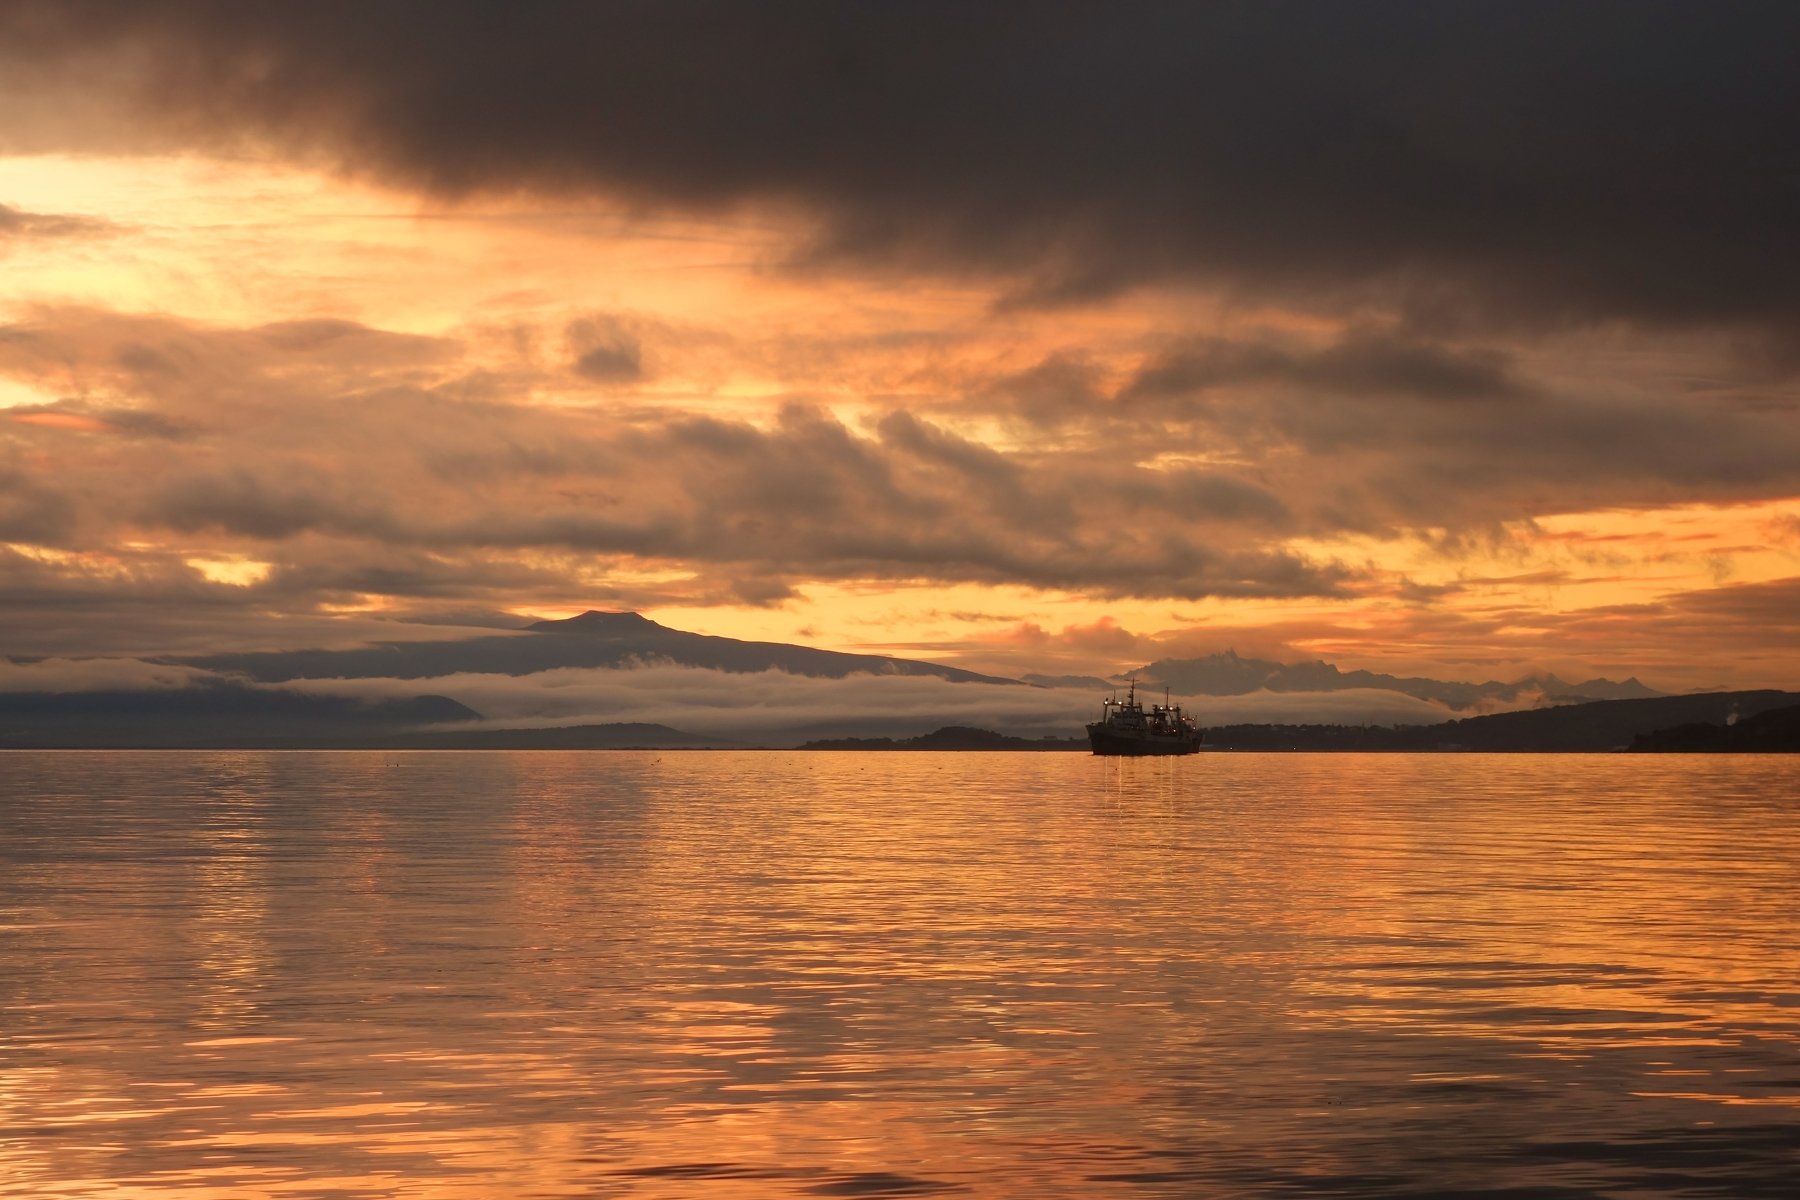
<point>1719,722</point>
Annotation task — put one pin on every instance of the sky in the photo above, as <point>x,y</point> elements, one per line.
<point>1450,339</point>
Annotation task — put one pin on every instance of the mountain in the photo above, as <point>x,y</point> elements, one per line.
<point>1775,731</point>
<point>1229,675</point>
<point>1598,725</point>
<point>951,737</point>
<point>231,716</point>
<point>243,704</point>
<point>593,639</point>
<point>621,735</point>
<point>211,716</point>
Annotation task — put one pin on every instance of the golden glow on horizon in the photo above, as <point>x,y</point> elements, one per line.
<point>16,394</point>
<point>237,572</point>
<point>1566,564</point>
<point>63,420</point>
<point>47,554</point>
<point>1562,562</point>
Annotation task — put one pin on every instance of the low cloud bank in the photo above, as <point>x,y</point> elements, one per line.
<point>770,706</point>
<point>1353,706</point>
<point>775,707</point>
<point>62,675</point>
<point>766,708</point>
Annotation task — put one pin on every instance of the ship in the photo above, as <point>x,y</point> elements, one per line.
<point>1125,728</point>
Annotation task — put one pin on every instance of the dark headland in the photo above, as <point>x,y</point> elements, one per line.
<point>951,737</point>
<point>1603,725</point>
<point>1776,731</point>
<point>1756,721</point>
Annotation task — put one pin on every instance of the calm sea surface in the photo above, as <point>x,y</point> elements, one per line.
<point>775,974</point>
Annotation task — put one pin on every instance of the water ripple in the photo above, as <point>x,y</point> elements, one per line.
<point>461,975</point>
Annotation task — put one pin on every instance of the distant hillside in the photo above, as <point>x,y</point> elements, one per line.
<point>229,717</point>
<point>626,735</point>
<point>236,717</point>
<point>594,639</point>
<point>245,707</point>
<point>951,737</point>
<point>1595,726</point>
<point>212,717</point>
<point>1776,731</point>
<point>1229,675</point>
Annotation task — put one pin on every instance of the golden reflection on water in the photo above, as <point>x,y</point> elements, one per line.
<point>456,975</point>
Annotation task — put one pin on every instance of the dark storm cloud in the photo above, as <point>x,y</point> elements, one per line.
<point>344,570</point>
<point>148,601</point>
<point>357,462</point>
<point>1375,431</point>
<point>136,602</point>
<point>1360,364</point>
<point>19,225</point>
<point>170,370</point>
<point>1673,643</point>
<point>1765,614</point>
<point>32,510</point>
<point>240,502</point>
<point>1536,162</point>
<point>1061,387</point>
<point>605,350</point>
<point>321,452</point>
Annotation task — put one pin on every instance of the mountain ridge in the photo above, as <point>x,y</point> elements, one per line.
<point>1595,726</point>
<point>215,716</point>
<point>245,704</point>
<point>1227,674</point>
<point>594,639</point>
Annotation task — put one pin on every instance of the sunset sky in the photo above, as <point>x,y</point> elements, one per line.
<point>1455,339</point>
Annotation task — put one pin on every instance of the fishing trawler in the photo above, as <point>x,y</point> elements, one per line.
<point>1125,728</point>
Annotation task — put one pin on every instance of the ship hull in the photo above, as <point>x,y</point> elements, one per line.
<point>1111,743</point>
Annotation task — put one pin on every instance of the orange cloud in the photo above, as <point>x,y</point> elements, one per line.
<point>64,420</point>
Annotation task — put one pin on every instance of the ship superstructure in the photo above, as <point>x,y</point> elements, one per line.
<point>1125,727</point>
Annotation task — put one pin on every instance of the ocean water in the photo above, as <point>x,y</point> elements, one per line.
<point>991,975</point>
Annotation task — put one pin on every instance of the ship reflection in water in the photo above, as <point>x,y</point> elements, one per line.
<point>746,975</point>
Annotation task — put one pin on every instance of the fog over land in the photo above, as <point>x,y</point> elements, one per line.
<point>612,668</point>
